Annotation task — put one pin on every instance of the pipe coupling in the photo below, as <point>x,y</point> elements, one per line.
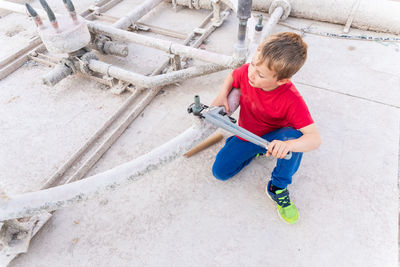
<point>63,69</point>
<point>194,4</point>
<point>105,46</point>
<point>284,5</point>
<point>84,62</point>
<point>244,9</point>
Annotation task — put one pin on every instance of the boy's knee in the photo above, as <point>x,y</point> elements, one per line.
<point>289,133</point>
<point>220,173</point>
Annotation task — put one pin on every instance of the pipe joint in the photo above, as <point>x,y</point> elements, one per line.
<point>105,46</point>
<point>244,9</point>
<point>194,4</point>
<point>84,62</point>
<point>285,5</point>
<point>65,68</point>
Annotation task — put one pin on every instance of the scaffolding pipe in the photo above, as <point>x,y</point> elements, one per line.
<point>125,22</point>
<point>54,198</point>
<point>143,81</point>
<point>167,46</point>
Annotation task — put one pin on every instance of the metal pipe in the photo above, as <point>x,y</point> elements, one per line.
<point>167,46</point>
<point>243,14</point>
<point>59,72</point>
<point>113,48</point>
<point>143,81</point>
<point>54,198</point>
<point>125,22</point>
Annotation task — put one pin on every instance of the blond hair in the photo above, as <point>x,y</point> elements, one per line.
<point>284,53</point>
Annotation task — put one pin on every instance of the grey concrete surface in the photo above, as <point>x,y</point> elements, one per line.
<point>179,215</point>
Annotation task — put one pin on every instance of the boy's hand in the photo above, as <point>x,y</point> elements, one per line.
<point>221,101</point>
<point>278,149</point>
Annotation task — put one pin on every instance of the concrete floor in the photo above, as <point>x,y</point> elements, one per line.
<point>179,215</point>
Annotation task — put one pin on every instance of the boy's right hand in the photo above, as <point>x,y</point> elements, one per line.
<point>221,101</point>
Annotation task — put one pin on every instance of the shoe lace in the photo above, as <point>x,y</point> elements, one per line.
<point>283,199</point>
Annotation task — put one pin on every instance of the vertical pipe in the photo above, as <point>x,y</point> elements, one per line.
<point>243,14</point>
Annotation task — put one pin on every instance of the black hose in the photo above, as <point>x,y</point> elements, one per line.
<point>69,5</point>
<point>31,11</point>
<point>48,10</point>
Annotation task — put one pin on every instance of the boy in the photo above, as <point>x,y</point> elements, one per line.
<point>270,107</point>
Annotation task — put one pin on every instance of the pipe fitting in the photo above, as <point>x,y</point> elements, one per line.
<point>105,46</point>
<point>84,61</point>
<point>244,9</point>
<point>114,48</point>
<point>63,69</point>
<point>284,5</point>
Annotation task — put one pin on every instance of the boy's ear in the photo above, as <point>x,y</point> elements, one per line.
<point>283,81</point>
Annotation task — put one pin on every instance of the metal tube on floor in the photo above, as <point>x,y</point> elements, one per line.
<point>59,72</point>
<point>54,198</point>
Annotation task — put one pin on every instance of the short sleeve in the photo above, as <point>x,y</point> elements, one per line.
<point>298,115</point>
<point>237,75</point>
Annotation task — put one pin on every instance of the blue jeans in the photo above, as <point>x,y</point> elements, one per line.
<point>237,153</point>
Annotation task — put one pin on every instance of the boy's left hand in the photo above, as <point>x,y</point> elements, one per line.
<point>278,149</point>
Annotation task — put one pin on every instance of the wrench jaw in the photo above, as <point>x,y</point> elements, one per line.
<point>218,117</point>
<point>218,112</point>
<point>197,110</point>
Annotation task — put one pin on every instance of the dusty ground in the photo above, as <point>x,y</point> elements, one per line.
<point>178,214</point>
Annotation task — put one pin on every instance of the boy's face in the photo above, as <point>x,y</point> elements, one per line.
<point>260,76</point>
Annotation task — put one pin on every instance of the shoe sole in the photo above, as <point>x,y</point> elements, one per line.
<point>279,215</point>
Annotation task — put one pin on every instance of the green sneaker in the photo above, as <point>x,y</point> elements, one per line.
<point>287,210</point>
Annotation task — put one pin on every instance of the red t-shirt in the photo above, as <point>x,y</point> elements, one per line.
<point>264,111</point>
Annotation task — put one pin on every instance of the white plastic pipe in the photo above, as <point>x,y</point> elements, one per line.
<point>54,198</point>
